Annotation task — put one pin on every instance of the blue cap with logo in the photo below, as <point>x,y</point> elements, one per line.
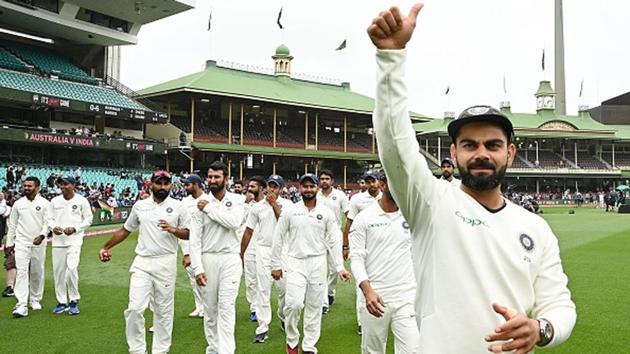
<point>68,179</point>
<point>309,176</point>
<point>193,178</point>
<point>277,179</point>
<point>372,174</point>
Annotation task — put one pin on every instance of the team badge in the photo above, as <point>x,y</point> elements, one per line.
<point>74,207</point>
<point>478,110</point>
<point>320,216</point>
<point>169,210</point>
<point>228,204</point>
<point>38,208</point>
<point>334,197</point>
<point>527,242</point>
<point>405,225</point>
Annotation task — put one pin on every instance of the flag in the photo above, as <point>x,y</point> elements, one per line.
<point>342,45</point>
<point>210,20</point>
<point>448,89</point>
<point>279,17</point>
<point>581,87</point>
<point>504,87</point>
<point>543,60</point>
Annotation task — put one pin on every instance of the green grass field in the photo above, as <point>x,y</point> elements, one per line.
<point>595,248</point>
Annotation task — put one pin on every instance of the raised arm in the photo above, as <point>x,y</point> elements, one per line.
<point>231,218</point>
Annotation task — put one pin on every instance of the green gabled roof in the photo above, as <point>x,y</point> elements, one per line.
<point>244,84</point>
<point>531,123</point>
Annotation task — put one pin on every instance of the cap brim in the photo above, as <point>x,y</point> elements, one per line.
<point>308,178</point>
<point>456,125</point>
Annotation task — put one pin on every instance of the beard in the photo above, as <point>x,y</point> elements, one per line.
<point>161,193</point>
<point>255,193</point>
<point>446,174</point>
<point>308,197</point>
<point>482,182</point>
<point>215,187</point>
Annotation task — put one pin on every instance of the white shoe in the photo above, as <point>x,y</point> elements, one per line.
<point>151,329</point>
<point>196,313</point>
<point>36,306</point>
<point>20,311</point>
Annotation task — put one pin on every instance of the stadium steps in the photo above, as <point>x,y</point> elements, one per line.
<point>523,160</point>
<point>11,62</point>
<point>609,166</point>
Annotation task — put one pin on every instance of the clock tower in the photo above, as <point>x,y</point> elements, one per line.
<point>545,97</point>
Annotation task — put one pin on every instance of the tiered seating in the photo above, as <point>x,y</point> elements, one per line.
<point>621,159</point>
<point>88,175</point>
<point>182,123</point>
<point>7,60</point>
<point>358,142</point>
<point>65,89</point>
<point>518,163</point>
<point>258,134</point>
<point>291,138</point>
<point>585,160</point>
<point>546,159</point>
<point>329,140</point>
<point>48,62</point>
<point>212,130</point>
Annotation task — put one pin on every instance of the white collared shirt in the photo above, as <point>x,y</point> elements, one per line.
<point>336,201</point>
<point>190,203</point>
<point>262,220</point>
<point>380,252</point>
<point>28,219</point>
<point>307,233</point>
<point>455,182</point>
<point>75,212</point>
<point>361,202</point>
<point>145,217</point>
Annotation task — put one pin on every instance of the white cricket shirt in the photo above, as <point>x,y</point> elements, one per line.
<point>28,219</point>
<point>263,221</point>
<point>75,212</point>
<point>465,257</point>
<point>190,203</point>
<point>336,201</point>
<point>361,202</point>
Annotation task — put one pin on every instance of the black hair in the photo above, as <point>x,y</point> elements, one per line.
<point>259,180</point>
<point>327,173</point>
<point>33,179</point>
<point>239,181</point>
<point>219,166</point>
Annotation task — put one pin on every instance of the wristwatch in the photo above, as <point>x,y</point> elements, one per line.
<point>545,331</point>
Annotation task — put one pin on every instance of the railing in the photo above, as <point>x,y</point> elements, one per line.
<point>120,87</point>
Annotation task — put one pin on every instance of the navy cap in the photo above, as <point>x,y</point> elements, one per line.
<point>157,175</point>
<point>277,179</point>
<point>309,176</point>
<point>193,178</point>
<point>481,114</point>
<point>371,174</point>
<point>447,159</point>
<point>68,179</point>
<point>381,175</point>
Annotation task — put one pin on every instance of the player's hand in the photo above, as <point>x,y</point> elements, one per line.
<point>520,331</point>
<point>186,261</point>
<point>201,279</point>
<point>69,230</point>
<point>165,226</point>
<point>104,255</point>
<point>391,30</point>
<point>38,240</point>
<point>346,254</point>
<point>374,303</point>
<point>8,250</point>
<point>58,230</point>
<point>272,198</point>
<point>202,204</point>
<point>344,275</point>
<point>276,274</point>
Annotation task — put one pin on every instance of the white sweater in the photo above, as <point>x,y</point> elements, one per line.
<point>28,220</point>
<point>63,213</point>
<point>465,257</point>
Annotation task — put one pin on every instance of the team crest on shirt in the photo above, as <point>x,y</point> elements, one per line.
<point>405,225</point>
<point>38,208</point>
<point>169,210</point>
<point>74,207</point>
<point>319,216</point>
<point>526,242</point>
<point>228,204</point>
<point>334,197</point>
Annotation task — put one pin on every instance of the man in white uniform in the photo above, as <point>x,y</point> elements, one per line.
<point>447,172</point>
<point>249,258</point>
<point>160,221</point>
<point>310,232</point>
<point>193,185</point>
<point>380,256</point>
<point>489,272</point>
<point>69,215</point>
<point>214,253</point>
<point>337,201</point>
<point>262,222</point>
<point>28,227</point>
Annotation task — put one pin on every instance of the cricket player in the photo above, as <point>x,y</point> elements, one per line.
<point>446,165</point>
<point>249,257</point>
<point>262,221</point>
<point>214,253</point>
<point>380,256</point>
<point>69,215</point>
<point>489,272</point>
<point>193,185</point>
<point>160,222</point>
<point>337,201</point>
<point>28,227</point>
<point>310,232</point>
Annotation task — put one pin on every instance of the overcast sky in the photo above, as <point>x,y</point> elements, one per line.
<point>469,45</point>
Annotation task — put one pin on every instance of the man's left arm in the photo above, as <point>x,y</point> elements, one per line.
<point>86,217</point>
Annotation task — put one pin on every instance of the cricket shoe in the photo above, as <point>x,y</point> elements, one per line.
<point>261,338</point>
<point>60,308</point>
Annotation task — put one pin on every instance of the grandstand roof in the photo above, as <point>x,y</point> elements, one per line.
<point>223,81</point>
<point>547,125</point>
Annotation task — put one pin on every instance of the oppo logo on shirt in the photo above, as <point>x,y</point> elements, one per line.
<point>471,221</point>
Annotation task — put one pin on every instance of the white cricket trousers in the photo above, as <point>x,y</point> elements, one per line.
<point>306,284</point>
<point>65,261</point>
<point>400,316</point>
<point>29,278</point>
<point>223,272</point>
<point>249,268</point>
<point>195,289</point>
<point>331,281</point>
<point>265,281</point>
<point>152,278</point>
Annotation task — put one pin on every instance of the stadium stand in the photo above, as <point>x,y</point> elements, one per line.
<point>585,160</point>
<point>621,158</point>
<point>10,62</point>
